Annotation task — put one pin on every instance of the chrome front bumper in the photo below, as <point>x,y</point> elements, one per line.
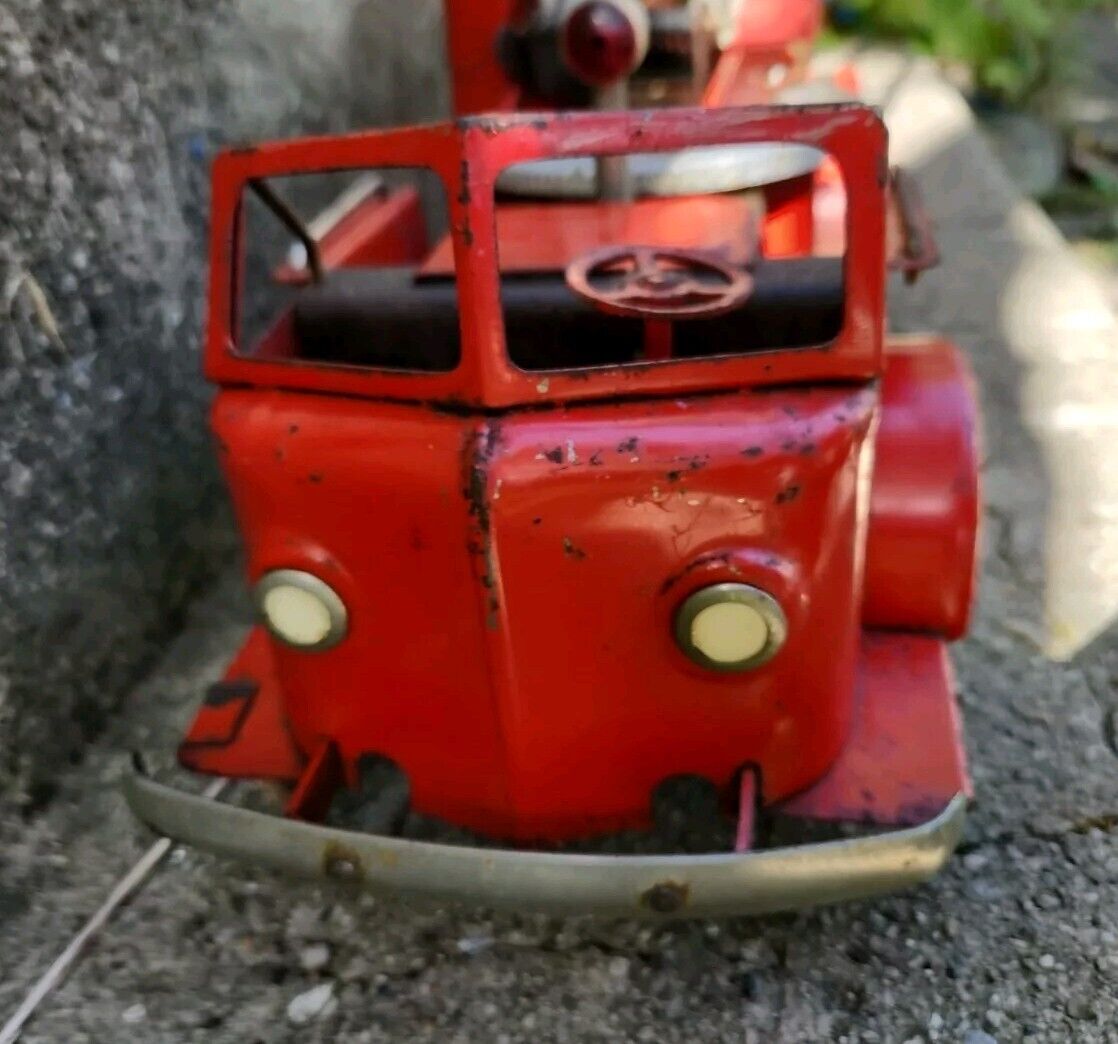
<point>716,885</point>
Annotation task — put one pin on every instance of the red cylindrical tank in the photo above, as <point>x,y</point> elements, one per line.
<point>921,551</point>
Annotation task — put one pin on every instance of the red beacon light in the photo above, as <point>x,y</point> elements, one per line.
<point>604,41</point>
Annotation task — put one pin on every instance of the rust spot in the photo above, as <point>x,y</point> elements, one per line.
<point>418,540</point>
<point>536,521</point>
<point>278,453</point>
<point>666,897</point>
<point>478,450</point>
<point>315,477</point>
<point>721,558</point>
<point>293,429</point>
<point>341,862</point>
<point>788,494</point>
<point>572,550</point>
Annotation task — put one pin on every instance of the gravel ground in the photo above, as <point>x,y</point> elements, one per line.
<point>1016,941</point>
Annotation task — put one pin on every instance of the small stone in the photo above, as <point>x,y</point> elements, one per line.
<point>357,970</point>
<point>472,945</point>
<point>136,1013</point>
<point>308,1006</point>
<point>1080,1008</point>
<point>314,958</point>
<point>1047,961</point>
<point>520,938</point>
<point>975,860</point>
<point>977,1036</point>
<point>619,967</point>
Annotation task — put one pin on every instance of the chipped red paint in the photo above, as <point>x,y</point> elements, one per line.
<point>512,547</point>
<point>904,758</point>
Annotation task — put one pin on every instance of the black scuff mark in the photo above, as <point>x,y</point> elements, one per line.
<point>596,459</point>
<point>554,455</point>
<point>752,451</point>
<point>629,445</point>
<point>572,550</point>
<point>315,477</point>
<point>714,558</point>
<point>788,494</point>
<point>464,190</point>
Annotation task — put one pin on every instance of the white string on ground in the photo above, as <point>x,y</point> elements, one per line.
<point>124,889</point>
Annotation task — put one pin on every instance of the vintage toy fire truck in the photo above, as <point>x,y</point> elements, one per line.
<point>572,457</point>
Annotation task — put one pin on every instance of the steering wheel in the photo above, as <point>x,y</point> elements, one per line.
<point>648,282</point>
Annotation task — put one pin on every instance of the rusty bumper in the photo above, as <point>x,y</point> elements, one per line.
<point>715,885</point>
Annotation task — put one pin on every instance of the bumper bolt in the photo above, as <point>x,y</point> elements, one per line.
<point>666,898</point>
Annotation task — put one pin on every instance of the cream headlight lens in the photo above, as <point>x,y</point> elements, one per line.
<point>301,610</point>
<point>730,627</point>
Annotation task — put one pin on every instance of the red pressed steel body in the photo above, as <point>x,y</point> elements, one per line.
<point>512,547</point>
<point>518,705</point>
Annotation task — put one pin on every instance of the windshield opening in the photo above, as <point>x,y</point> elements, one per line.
<point>706,252</point>
<point>330,272</point>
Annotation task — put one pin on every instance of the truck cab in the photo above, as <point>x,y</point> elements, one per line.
<point>551,495</point>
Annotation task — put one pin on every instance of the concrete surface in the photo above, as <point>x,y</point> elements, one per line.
<point>111,514</point>
<point>1017,941</point>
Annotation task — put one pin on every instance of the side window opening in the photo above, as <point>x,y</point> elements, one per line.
<point>330,272</point>
<point>706,252</point>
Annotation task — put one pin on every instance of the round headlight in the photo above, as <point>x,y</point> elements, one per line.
<point>300,610</point>
<point>730,627</point>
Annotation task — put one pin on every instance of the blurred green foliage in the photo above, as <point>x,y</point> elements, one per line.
<point>1013,47</point>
